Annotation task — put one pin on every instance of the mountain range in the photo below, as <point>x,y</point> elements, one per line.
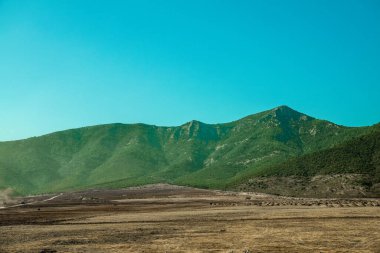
<point>257,152</point>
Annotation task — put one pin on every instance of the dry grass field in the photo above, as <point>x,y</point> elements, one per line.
<point>164,218</point>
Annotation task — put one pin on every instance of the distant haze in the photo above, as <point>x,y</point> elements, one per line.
<point>5,196</point>
<point>66,64</point>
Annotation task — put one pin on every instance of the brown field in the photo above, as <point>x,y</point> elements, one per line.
<point>163,218</point>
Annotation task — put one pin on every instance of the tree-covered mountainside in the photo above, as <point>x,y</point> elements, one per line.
<point>196,154</point>
<point>359,155</point>
<point>353,166</point>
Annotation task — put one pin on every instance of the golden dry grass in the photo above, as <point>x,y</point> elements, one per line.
<point>190,224</point>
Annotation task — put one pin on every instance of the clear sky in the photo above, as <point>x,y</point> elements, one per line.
<point>72,63</point>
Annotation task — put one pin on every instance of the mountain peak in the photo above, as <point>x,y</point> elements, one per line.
<point>195,153</point>
<point>193,123</point>
<point>284,108</point>
<point>285,111</point>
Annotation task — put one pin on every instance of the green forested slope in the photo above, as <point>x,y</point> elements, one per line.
<point>359,155</point>
<point>350,168</point>
<point>195,153</point>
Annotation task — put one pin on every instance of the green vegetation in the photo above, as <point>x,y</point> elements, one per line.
<point>360,155</point>
<point>351,168</point>
<point>196,154</point>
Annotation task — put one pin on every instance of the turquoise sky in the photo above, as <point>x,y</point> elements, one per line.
<point>66,64</point>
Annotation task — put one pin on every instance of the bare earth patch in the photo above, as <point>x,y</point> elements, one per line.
<point>178,219</point>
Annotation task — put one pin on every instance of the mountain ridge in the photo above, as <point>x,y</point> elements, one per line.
<point>283,107</point>
<point>194,153</point>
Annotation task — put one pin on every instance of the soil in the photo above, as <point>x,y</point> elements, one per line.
<point>166,218</point>
<point>319,186</point>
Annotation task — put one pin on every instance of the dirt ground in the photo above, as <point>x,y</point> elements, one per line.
<point>163,218</point>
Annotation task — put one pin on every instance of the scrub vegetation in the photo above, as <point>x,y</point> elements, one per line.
<point>277,142</point>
